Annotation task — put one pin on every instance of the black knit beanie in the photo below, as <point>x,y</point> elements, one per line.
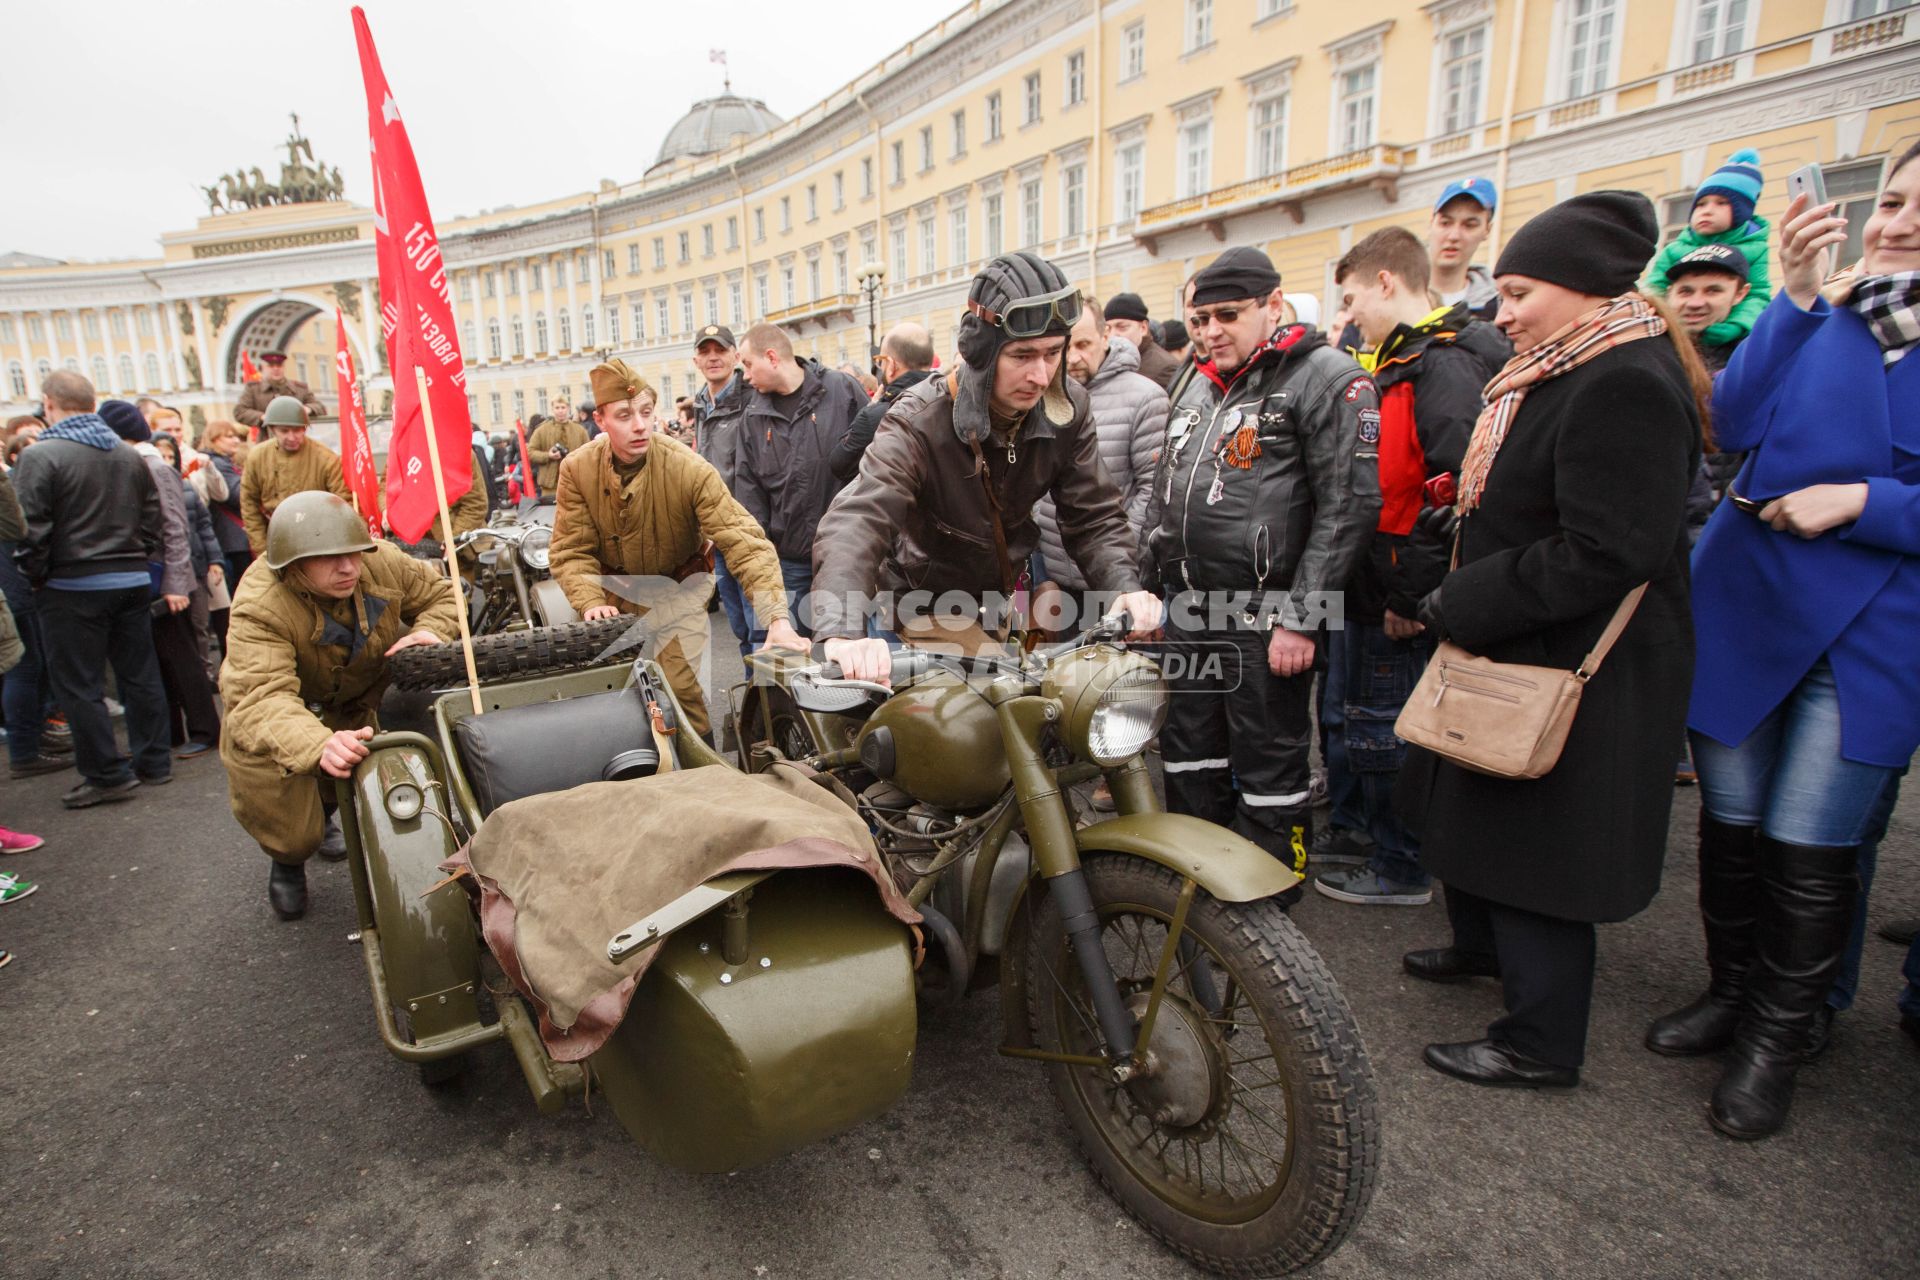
<point>1596,244</point>
<point>125,420</point>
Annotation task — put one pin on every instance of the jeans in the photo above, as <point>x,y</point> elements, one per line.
<point>797,577</point>
<point>24,696</point>
<point>733,602</point>
<point>1371,676</point>
<point>1788,778</point>
<point>1847,982</point>
<point>98,628</point>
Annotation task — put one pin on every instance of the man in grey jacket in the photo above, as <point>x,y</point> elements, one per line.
<point>1129,413</point>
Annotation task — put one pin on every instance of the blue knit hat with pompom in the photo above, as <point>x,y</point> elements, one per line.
<point>1739,181</point>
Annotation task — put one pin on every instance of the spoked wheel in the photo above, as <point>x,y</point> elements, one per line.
<point>1250,1140</point>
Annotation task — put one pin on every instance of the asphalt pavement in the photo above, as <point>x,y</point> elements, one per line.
<point>193,1089</point>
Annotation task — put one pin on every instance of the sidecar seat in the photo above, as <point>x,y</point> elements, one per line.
<point>551,746</point>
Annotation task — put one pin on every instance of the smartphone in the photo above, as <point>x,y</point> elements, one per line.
<point>1809,180</point>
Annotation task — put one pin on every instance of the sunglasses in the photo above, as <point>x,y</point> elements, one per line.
<point>1032,317</point>
<point>1219,315</point>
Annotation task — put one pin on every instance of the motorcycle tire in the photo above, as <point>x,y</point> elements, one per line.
<point>1300,1135</point>
<point>512,655</point>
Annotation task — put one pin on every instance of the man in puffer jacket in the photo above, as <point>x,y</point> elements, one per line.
<point>1129,412</point>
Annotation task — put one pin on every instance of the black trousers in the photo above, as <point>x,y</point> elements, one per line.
<point>85,632</point>
<point>1237,742</point>
<point>191,715</point>
<point>1546,967</point>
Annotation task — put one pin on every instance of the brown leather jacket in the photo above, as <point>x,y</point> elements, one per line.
<point>917,518</point>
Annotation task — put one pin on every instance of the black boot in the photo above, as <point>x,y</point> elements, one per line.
<point>1729,903</point>
<point>287,889</point>
<point>1806,914</point>
<point>333,843</point>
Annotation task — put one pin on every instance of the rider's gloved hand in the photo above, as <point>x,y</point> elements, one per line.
<point>861,659</point>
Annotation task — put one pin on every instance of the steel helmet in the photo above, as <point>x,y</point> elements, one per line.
<point>285,411</point>
<point>314,523</point>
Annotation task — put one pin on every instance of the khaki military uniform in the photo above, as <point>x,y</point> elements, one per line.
<point>546,472</point>
<point>652,526</point>
<point>469,512</point>
<point>252,405</point>
<point>273,474</point>
<point>288,649</point>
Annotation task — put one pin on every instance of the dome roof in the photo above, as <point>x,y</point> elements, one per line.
<point>714,125</point>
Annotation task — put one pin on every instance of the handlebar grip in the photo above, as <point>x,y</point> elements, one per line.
<point>830,671</point>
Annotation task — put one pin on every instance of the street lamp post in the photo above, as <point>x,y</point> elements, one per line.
<point>872,276</point>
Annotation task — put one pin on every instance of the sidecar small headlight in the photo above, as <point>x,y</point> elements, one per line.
<point>536,548</point>
<point>1114,702</point>
<point>405,800</point>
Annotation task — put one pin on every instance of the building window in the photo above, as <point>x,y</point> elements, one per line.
<point>519,406</point>
<point>663,316</point>
<point>473,408</point>
<point>1199,24</point>
<point>869,248</point>
<point>539,333</point>
<point>866,176</point>
<point>1269,128</point>
<point>1589,37</point>
<point>99,372</point>
<point>90,325</point>
<point>1463,75</point>
<point>760,298</point>
<point>519,336</point>
<point>300,363</point>
<point>126,377</point>
<point>487,282</point>
<point>463,290</point>
<point>733,232</point>
<point>959,134</point>
<point>735,303</point>
<point>813,279</point>
<point>580,267</point>
<point>566,329</point>
<point>63,327</point>
<point>928,250</point>
<point>1196,157</point>
<point>899,236</point>
<point>586,328</point>
<point>759,224</point>
<point>685,244</point>
<point>513,282</point>
<point>1720,29</point>
<point>539,276</point>
<point>637,313</point>
<point>686,311</point>
<point>957,235</point>
<point>17,378</point>
<point>1133,51</point>
<point>813,202</point>
<point>897,156</point>
<point>706,240</point>
<point>493,406</point>
<point>1355,113</point>
<point>1073,199</point>
<point>789,294</point>
<point>786,213</point>
<point>493,337</point>
<point>713,304</point>
<point>839,192</point>
<point>540,400</point>
<point>1030,208</point>
<point>1076,79</point>
<point>559,273</point>
<point>1271,9</point>
<point>1130,180</point>
<point>606,264</point>
<point>1864,9</point>
<point>926,148</point>
<point>994,129</point>
<point>1032,99</point>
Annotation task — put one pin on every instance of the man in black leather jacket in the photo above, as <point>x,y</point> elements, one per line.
<point>1267,490</point>
<point>906,360</point>
<point>93,525</point>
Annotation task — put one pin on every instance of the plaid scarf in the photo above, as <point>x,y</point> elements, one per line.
<point>83,428</point>
<point>1624,319</point>
<point>1891,307</point>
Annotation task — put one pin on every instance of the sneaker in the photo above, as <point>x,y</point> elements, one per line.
<point>18,841</point>
<point>88,794</point>
<point>1317,787</point>
<point>157,780</point>
<point>191,750</point>
<point>13,888</point>
<point>1340,847</point>
<point>1685,775</point>
<point>6,958</point>
<point>38,765</point>
<point>1366,887</point>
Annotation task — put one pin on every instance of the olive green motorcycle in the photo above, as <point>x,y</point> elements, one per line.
<point>1203,1055</point>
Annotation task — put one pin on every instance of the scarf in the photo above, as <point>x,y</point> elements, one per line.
<point>1891,307</point>
<point>83,428</point>
<point>1621,320</point>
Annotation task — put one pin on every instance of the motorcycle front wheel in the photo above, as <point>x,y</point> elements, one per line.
<point>1250,1144</point>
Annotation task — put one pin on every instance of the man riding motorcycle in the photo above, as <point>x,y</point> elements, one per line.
<point>945,495</point>
<point>307,652</point>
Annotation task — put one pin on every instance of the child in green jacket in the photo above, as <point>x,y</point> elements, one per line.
<point>1723,214</point>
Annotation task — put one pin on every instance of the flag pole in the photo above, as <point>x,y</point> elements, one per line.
<point>446,527</point>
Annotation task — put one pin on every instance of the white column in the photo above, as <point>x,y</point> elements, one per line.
<point>113,352</point>
<point>178,363</point>
<point>499,270</point>
<point>139,346</point>
<point>573,304</point>
<point>526,309</point>
<point>54,353</point>
<point>212,379</point>
<point>475,312</point>
<point>26,352</point>
<point>80,341</point>
<point>370,331</point>
<point>546,304</point>
<point>599,320</point>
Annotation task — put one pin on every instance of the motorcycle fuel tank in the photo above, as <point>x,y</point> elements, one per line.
<point>945,741</point>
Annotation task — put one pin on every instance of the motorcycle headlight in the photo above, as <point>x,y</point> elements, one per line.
<point>1114,702</point>
<point>536,548</point>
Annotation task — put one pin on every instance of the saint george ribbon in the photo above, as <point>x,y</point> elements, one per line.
<point>416,314</point>
<point>356,449</point>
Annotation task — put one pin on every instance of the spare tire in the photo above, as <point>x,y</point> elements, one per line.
<point>510,655</point>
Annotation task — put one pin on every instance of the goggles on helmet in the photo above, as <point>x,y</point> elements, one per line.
<point>1032,317</point>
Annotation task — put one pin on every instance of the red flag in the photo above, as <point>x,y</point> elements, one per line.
<point>248,373</point>
<point>527,482</point>
<point>356,449</point>
<point>416,315</point>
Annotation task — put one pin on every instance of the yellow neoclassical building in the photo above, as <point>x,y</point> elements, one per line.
<point>1128,140</point>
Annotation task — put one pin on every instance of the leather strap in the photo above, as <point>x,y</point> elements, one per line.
<point>1621,616</point>
<point>1007,581</point>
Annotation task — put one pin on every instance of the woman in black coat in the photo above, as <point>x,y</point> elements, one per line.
<point>1569,500</point>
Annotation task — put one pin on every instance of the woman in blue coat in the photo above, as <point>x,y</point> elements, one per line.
<point>1806,600</point>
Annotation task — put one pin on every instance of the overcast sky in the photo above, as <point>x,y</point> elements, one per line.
<point>118,111</point>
